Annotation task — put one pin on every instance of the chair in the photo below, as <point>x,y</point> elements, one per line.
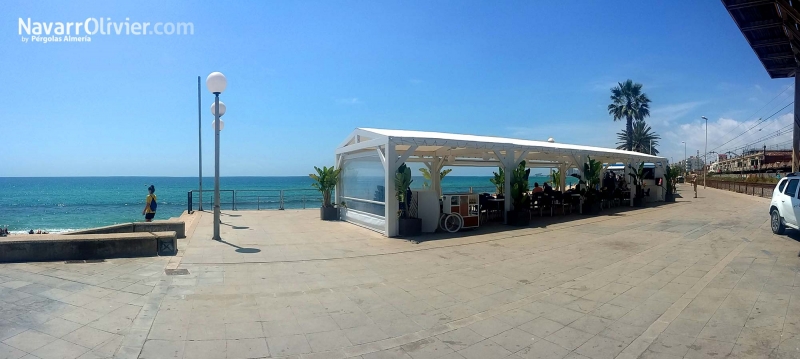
<point>607,198</point>
<point>483,207</point>
<point>558,201</point>
<point>545,202</point>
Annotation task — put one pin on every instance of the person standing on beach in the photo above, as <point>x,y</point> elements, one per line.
<point>150,204</point>
<point>694,184</point>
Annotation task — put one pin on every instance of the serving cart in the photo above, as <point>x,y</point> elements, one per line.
<point>459,211</point>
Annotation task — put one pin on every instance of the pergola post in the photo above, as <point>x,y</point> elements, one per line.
<point>436,175</point>
<point>796,127</point>
<point>391,203</point>
<point>337,193</point>
<point>632,187</point>
<point>562,170</point>
<point>508,169</point>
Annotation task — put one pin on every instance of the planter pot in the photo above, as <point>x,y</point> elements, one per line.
<point>329,213</point>
<point>638,202</point>
<point>591,207</point>
<point>669,197</point>
<point>410,226</point>
<point>519,218</point>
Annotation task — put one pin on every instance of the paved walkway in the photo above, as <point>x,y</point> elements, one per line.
<point>700,278</point>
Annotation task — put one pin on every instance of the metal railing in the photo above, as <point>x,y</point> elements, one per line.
<point>763,190</point>
<point>258,199</point>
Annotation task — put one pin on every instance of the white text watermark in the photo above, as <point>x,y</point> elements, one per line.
<point>83,31</point>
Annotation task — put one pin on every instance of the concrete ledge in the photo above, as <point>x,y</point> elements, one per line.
<point>53,247</point>
<point>179,227</point>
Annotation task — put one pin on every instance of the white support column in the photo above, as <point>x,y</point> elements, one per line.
<point>562,169</point>
<point>508,168</point>
<point>337,193</point>
<point>429,166</point>
<point>632,187</point>
<point>436,175</point>
<point>392,205</point>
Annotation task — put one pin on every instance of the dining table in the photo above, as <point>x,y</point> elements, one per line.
<point>498,204</point>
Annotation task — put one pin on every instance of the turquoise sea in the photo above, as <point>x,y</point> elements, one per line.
<point>59,204</point>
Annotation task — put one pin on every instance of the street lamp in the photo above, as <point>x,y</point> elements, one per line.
<point>216,83</point>
<point>705,156</point>
<point>685,164</point>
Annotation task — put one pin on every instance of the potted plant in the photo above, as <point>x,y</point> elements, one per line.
<point>426,183</point>
<point>555,178</point>
<point>326,179</point>
<point>637,178</point>
<point>499,181</point>
<point>589,193</point>
<point>520,215</point>
<point>408,226</point>
<point>670,177</point>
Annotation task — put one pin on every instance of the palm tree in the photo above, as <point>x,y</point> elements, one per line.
<point>630,103</point>
<point>640,140</point>
<point>427,176</point>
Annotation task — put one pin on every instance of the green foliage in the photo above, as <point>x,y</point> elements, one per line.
<point>637,175</point>
<point>520,186</point>
<point>326,179</point>
<point>499,181</point>
<point>671,176</point>
<point>427,176</point>
<point>555,179</point>
<point>591,173</point>
<point>402,182</point>
<point>642,138</point>
<point>629,103</point>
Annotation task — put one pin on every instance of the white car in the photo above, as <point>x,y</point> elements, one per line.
<point>784,209</point>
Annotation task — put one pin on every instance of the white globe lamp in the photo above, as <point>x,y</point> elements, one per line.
<point>216,82</point>
<point>222,109</point>
<point>221,124</point>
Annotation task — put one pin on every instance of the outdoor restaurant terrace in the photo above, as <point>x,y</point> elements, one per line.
<point>370,157</point>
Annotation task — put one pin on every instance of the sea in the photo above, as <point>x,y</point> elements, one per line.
<point>63,204</point>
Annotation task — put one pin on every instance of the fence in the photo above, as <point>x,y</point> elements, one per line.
<point>257,199</point>
<point>754,189</point>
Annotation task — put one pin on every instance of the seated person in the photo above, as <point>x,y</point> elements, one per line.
<point>548,188</point>
<point>536,188</point>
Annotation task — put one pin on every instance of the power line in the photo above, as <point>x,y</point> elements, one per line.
<point>757,123</point>
<point>786,130</point>
<point>759,110</point>
<point>767,136</point>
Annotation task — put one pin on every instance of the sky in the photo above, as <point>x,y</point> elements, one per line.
<point>303,74</point>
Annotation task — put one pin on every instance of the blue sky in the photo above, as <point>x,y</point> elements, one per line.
<point>302,75</point>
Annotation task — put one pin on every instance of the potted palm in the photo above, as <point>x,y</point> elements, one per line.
<point>520,215</point>
<point>426,183</point>
<point>555,179</point>
<point>590,194</point>
<point>408,226</point>
<point>499,181</point>
<point>637,178</point>
<point>326,179</point>
<point>671,176</point>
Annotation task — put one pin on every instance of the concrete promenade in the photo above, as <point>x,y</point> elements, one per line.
<point>700,278</point>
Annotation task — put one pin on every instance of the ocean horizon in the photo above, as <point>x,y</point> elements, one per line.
<point>63,204</point>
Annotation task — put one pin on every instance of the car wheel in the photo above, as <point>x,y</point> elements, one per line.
<point>776,222</point>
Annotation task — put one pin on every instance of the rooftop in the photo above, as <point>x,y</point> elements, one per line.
<point>771,29</point>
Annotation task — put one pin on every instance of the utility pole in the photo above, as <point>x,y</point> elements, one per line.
<point>796,127</point>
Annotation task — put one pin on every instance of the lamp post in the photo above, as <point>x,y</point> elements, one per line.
<point>216,83</point>
<point>685,165</point>
<point>705,156</point>
<point>199,145</point>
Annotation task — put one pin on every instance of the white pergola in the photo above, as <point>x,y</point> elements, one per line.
<point>436,150</point>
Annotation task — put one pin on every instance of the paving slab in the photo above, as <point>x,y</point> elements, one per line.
<point>696,278</point>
